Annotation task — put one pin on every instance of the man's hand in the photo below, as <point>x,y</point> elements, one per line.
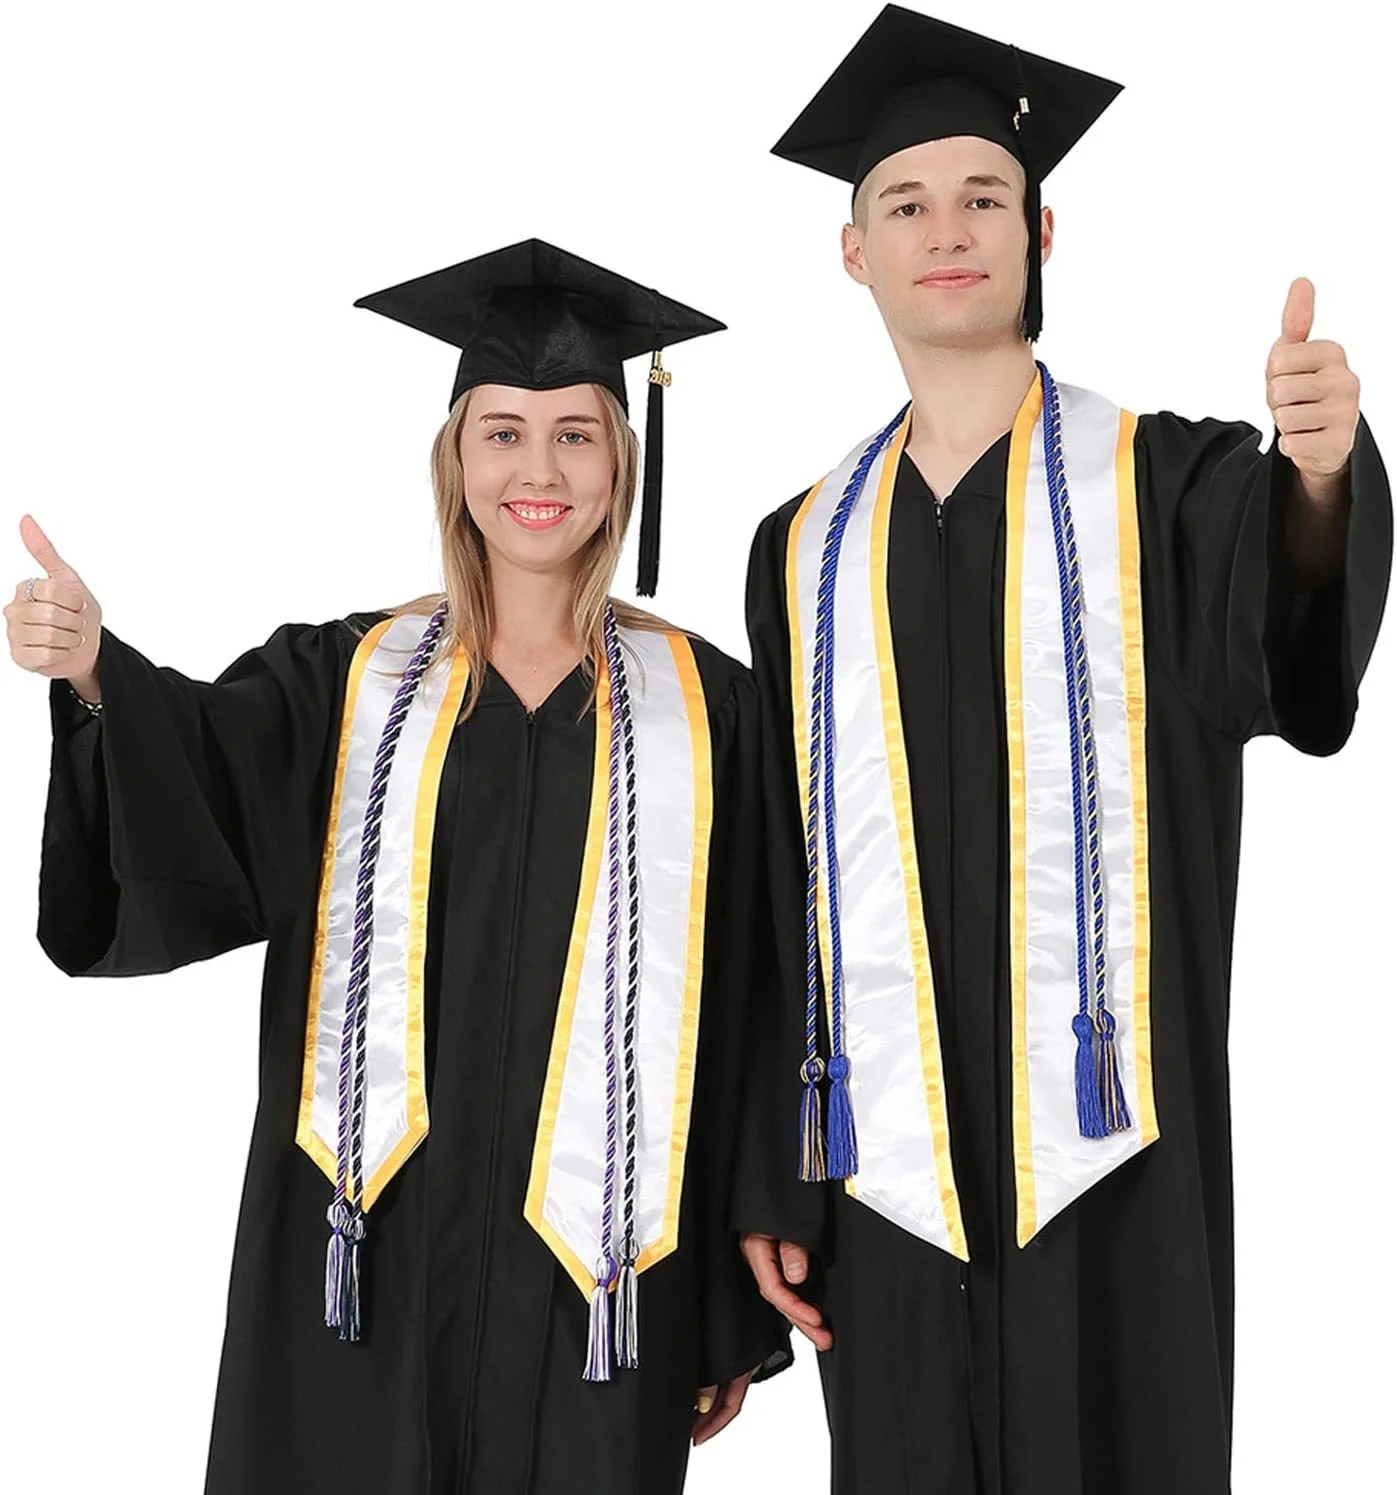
<point>776,1264</point>
<point>1313,395</point>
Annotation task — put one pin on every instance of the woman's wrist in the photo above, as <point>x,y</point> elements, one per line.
<point>87,690</point>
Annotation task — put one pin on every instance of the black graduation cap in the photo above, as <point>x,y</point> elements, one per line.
<point>536,317</point>
<point>911,78</point>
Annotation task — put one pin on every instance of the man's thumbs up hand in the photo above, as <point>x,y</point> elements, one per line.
<point>1312,392</point>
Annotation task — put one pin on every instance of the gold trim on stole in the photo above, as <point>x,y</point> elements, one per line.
<point>800,726</point>
<point>687,668</point>
<point>306,1137</point>
<point>595,848</point>
<point>423,829</point>
<point>900,782</point>
<point>1016,492</point>
<point>1133,639</point>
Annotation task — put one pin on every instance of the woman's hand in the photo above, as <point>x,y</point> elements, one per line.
<point>55,623</point>
<point>776,1265</point>
<point>718,1405</point>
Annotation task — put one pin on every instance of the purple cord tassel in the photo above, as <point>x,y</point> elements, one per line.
<point>812,1137</point>
<point>334,1272</point>
<point>1090,1121</point>
<point>342,1270</point>
<point>843,1143</point>
<point>628,1314</point>
<point>601,1364</point>
<point>1115,1112</point>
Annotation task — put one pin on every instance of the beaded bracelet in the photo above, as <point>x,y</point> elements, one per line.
<point>93,708</point>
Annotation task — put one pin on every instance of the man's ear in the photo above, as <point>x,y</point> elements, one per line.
<point>1046,237</point>
<point>851,244</point>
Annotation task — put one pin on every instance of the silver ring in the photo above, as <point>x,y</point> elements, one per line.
<point>29,588</point>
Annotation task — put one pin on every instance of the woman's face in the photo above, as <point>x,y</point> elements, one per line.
<point>538,472</point>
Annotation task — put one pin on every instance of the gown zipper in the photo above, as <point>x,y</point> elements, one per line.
<point>501,1053</point>
<point>942,615</point>
<point>943,642</point>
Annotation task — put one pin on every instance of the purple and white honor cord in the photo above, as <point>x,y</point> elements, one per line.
<point>627,1304</point>
<point>616,1265</point>
<point>346,1214</point>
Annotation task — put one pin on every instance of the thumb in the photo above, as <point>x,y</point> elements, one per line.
<point>794,1262</point>
<point>38,544</point>
<point>1299,314</point>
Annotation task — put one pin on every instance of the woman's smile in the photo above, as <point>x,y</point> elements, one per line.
<point>537,515</point>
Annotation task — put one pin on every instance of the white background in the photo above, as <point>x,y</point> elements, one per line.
<point>194,196</point>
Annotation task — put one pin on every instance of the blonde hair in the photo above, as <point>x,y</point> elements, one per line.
<point>465,561</point>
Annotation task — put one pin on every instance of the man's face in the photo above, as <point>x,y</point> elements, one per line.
<point>941,241</point>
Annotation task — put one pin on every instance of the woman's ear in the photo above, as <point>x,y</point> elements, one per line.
<point>1046,234</point>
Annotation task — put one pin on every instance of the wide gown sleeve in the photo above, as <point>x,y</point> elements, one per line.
<point>768,1197</point>
<point>1253,652</point>
<point>187,818</point>
<point>740,1331</point>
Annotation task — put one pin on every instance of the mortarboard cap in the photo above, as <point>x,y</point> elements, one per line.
<point>536,317</point>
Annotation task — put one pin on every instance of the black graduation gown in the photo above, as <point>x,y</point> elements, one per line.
<point>189,819</point>
<point>1098,1359</point>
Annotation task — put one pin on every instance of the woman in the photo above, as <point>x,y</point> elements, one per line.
<point>519,1090</point>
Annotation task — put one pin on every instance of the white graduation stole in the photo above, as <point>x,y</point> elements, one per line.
<point>674,812</point>
<point>395,1091</point>
<point>674,822</point>
<point>887,1010</point>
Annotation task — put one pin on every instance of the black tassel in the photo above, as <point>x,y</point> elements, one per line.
<point>649,577</point>
<point>1031,324</point>
<point>1031,321</point>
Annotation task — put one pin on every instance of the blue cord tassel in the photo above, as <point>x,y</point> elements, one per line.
<point>843,1143</point>
<point>1115,1112</point>
<point>628,1316</point>
<point>812,1137</point>
<point>1090,1120</point>
<point>601,1365</point>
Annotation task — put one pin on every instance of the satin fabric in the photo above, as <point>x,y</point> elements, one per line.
<point>1063,1163</point>
<point>395,1099</point>
<point>897,1079</point>
<point>673,824</point>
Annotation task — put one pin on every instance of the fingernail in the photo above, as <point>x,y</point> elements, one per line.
<point>705,1403</point>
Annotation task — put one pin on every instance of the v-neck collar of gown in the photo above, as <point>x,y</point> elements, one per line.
<point>569,695</point>
<point>984,478</point>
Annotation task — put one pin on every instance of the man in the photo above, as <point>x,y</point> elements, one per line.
<point>1011,649</point>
